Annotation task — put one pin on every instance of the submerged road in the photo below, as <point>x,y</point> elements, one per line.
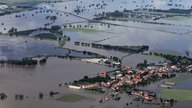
<point>96,21</point>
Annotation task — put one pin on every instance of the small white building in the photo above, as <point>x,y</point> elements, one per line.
<point>165,86</point>
<point>74,87</point>
<point>2,7</point>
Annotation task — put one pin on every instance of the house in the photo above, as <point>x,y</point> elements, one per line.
<point>164,73</point>
<point>129,82</point>
<point>123,77</point>
<point>120,83</point>
<point>150,67</point>
<point>148,97</point>
<point>147,76</point>
<point>119,76</point>
<point>141,71</point>
<point>189,68</point>
<point>112,77</point>
<point>163,69</point>
<point>169,83</point>
<point>175,68</point>
<point>153,68</point>
<point>74,87</point>
<point>115,87</point>
<point>103,74</point>
<point>130,71</point>
<point>138,77</point>
<point>165,86</point>
<point>2,7</point>
<point>108,84</point>
<point>85,86</point>
<point>144,94</point>
<point>139,93</point>
<point>136,81</point>
<point>124,69</point>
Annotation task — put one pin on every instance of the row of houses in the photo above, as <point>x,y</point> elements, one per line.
<point>132,77</point>
<point>102,61</point>
<point>128,76</point>
<point>144,94</point>
<point>84,86</point>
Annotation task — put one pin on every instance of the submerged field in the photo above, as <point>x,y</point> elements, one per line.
<point>81,30</point>
<point>178,18</point>
<point>44,78</point>
<point>71,98</point>
<point>180,78</point>
<point>177,94</point>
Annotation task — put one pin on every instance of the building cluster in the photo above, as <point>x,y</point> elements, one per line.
<point>142,15</point>
<point>127,79</point>
<point>2,7</point>
<point>102,61</point>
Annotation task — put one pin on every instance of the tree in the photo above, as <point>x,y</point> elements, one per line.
<point>40,95</point>
<point>68,38</point>
<point>145,62</point>
<point>150,53</point>
<point>53,18</point>
<point>187,53</point>
<point>85,77</point>
<point>3,96</point>
<point>12,30</point>
<point>84,52</point>
<point>55,28</point>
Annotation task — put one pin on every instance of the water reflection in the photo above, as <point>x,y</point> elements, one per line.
<point>184,85</point>
<point>20,47</point>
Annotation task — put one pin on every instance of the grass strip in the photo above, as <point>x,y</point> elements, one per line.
<point>84,30</point>
<point>71,98</point>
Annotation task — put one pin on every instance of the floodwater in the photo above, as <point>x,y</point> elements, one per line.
<point>184,84</point>
<point>45,78</point>
<point>21,47</point>
<point>127,33</point>
<point>131,36</point>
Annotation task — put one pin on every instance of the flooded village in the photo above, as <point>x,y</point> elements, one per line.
<point>95,53</point>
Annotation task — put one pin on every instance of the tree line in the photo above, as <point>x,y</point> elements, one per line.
<point>24,61</point>
<point>132,49</point>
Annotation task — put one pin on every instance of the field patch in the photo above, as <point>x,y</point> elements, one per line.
<point>177,94</point>
<point>179,78</point>
<point>178,18</point>
<point>84,30</point>
<point>71,98</point>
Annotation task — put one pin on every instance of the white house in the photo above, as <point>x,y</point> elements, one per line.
<point>3,7</point>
